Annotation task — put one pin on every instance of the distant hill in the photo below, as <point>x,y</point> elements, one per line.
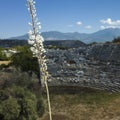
<point>62,44</point>
<point>55,35</point>
<point>99,36</point>
<point>104,35</point>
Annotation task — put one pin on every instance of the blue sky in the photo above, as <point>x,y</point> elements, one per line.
<point>84,16</point>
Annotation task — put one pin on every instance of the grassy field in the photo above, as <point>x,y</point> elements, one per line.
<point>83,104</point>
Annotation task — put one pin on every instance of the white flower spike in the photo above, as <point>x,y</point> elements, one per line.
<point>37,47</point>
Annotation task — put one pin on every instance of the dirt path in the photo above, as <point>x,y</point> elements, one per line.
<point>4,62</point>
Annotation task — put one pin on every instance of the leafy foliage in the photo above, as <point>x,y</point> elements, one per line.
<point>10,109</point>
<point>116,40</point>
<point>2,55</point>
<point>18,103</point>
<point>25,60</point>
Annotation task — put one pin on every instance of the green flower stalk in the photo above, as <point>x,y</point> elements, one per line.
<point>36,41</point>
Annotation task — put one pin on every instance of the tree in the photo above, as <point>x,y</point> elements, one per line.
<point>25,61</point>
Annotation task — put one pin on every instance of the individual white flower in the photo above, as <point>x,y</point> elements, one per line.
<point>36,52</point>
<point>39,38</point>
<point>37,30</point>
<point>30,23</point>
<point>32,37</point>
<point>32,48</point>
<point>43,50</point>
<point>34,15</point>
<point>35,45</point>
<point>31,42</point>
<point>36,20</point>
<point>30,32</point>
<point>38,23</point>
<point>39,26</point>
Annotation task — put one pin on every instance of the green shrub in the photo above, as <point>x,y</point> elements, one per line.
<point>18,103</point>
<point>10,109</point>
<point>25,61</point>
<point>40,106</point>
<point>3,66</point>
<point>116,40</point>
<point>3,56</point>
<point>28,109</point>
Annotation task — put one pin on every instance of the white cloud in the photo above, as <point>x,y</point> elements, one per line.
<point>105,27</point>
<point>78,23</point>
<point>102,27</point>
<point>109,23</point>
<point>88,27</point>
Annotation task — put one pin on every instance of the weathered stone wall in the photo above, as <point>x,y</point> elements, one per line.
<point>105,52</point>
<point>95,66</point>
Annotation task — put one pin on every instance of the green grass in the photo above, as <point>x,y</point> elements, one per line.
<point>83,95</point>
<point>83,103</point>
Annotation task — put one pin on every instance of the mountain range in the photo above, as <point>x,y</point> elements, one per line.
<point>99,36</point>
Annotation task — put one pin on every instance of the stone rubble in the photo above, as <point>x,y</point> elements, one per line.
<point>96,66</point>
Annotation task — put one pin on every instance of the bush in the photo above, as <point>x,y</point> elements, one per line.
<point>116,40</point>
<point>40,106</point>
<point>10,109</point>
<point>25,61</point>
<point>28,109</point>
<point>3,56</point>
<point>18,103</point>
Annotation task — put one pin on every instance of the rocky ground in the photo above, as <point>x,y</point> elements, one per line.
<point>96,66</point>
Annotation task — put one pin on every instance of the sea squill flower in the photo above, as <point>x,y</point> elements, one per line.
<point>37,47</point>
